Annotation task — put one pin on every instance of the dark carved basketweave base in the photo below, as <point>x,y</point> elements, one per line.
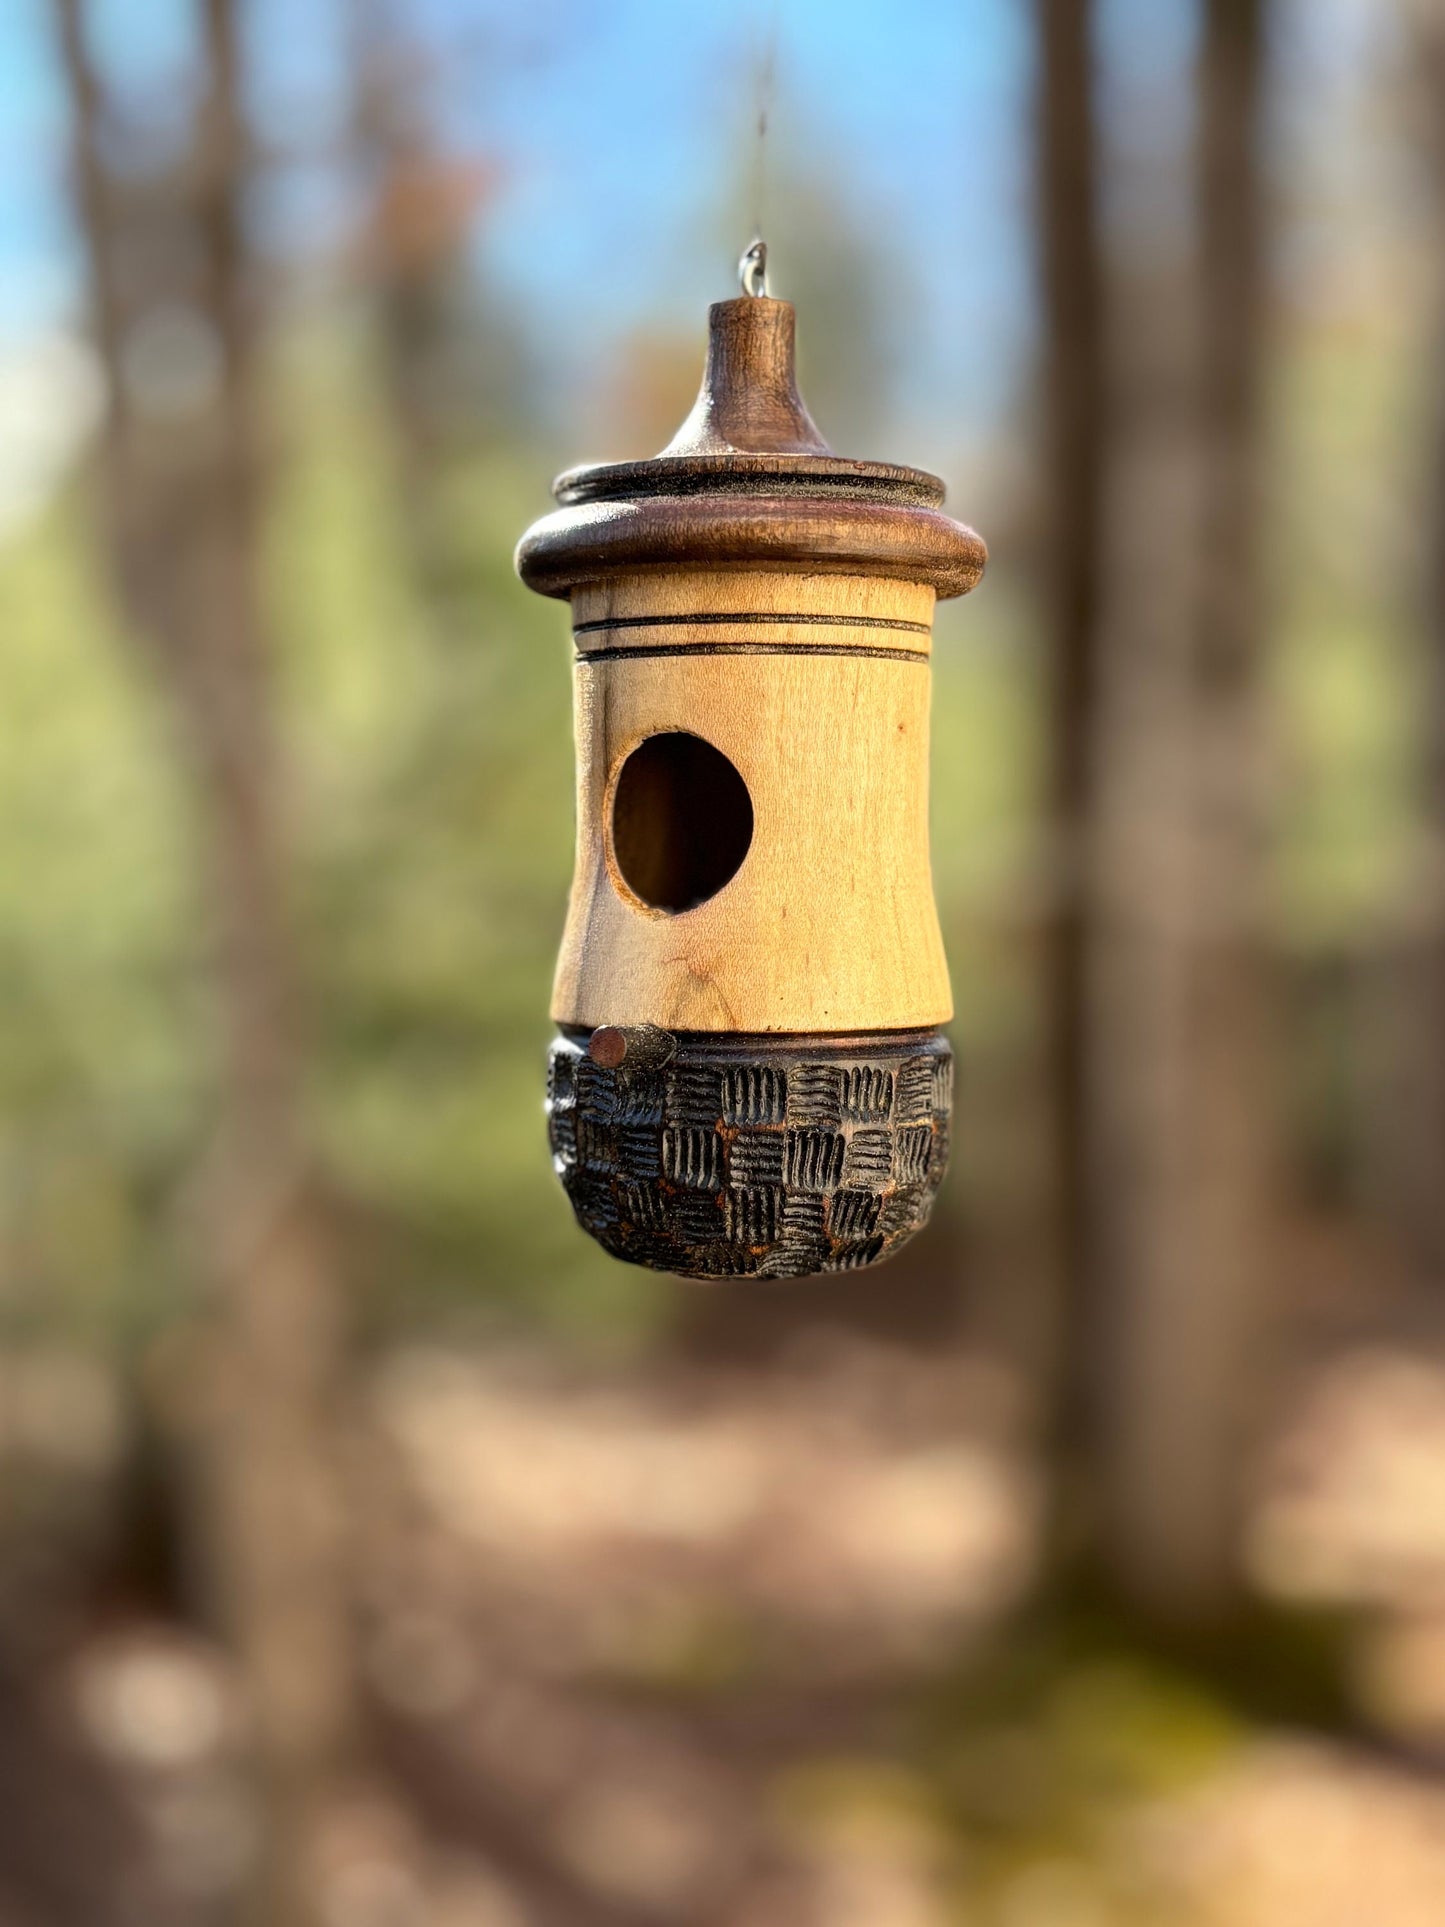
<point>769,1157</point>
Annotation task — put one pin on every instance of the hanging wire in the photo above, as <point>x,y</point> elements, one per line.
<point>753,267</point>
<point>765,71</point>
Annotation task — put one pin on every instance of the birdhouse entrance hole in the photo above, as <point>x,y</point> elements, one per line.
<point>682,821</point>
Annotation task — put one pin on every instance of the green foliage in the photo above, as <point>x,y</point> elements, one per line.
<point>103,1037</point>
<point>1021,1787</point>
<point>1345,678</point>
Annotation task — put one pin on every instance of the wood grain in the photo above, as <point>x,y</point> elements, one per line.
<point>749,396</point>
<point>756,608</point>
<point>829,925</point>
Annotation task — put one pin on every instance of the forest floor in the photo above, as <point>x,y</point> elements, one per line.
<point>738,1645</point>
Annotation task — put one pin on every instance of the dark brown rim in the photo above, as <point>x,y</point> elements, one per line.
<point>786,1043</point>
<point>745,474</point>
<point>784,532</point>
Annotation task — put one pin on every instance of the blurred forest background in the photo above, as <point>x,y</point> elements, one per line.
<point>375,1552</point>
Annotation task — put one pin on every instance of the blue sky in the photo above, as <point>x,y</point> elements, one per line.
<point>624,127</point>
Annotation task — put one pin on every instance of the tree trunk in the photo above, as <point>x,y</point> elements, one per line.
<point>182,503</point>
<point>1179,1083</point>
<point>1073,446</point>
<point>1405,1036</point>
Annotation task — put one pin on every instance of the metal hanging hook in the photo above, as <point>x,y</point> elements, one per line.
<point>753,268</point>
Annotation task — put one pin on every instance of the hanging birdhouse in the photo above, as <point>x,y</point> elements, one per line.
<point>750,1076</point>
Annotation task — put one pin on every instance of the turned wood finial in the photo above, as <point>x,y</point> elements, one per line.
<point>749,401</point>
<point>748,482</point>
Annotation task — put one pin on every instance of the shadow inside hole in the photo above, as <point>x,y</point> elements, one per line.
<point>682,821</point>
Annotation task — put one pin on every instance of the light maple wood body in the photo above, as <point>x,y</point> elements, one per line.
<point>829,925</point>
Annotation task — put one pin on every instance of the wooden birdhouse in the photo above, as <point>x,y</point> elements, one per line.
<point>751,1075</point>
